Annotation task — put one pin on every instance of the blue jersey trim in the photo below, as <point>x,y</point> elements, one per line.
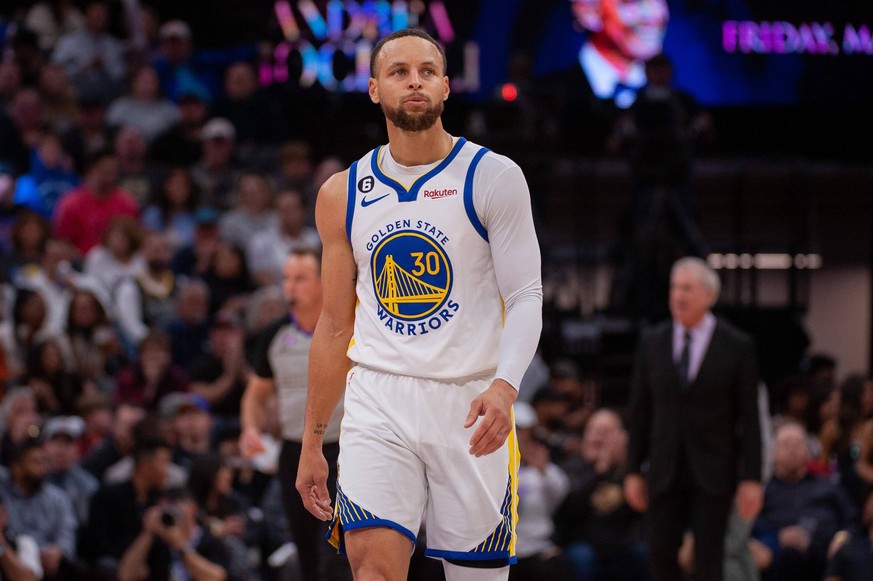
<point>468,195</point>
<point>404,195</point>
<point>367,524</point>
<point>469,556</point>
<point>350,202</point>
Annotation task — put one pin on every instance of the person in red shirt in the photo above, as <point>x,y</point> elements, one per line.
<point>83,214</point>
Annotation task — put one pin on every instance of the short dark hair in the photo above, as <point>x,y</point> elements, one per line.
<point>21,450</point>
<point>401,34</point>
<point>313,251</point>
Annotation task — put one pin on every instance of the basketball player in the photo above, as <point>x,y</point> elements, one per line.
<point>279,363</point>
<point>432,288</point>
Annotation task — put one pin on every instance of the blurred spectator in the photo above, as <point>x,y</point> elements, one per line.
<point>55,386</point>
<point>220,374</point>
<point>853,560</point>
<point>222,510</point>
<point>217,172</point>
<point>821,368</point>
<point>195,259</point>
<point>599,532</point>
<point>83,214</point>
<point>256,115</point>
<point>551,408</point>
<point>40,510</point>
<point>21,128</point>
<point>542,486</point>
<point>144,107</point>
<point>228,278</point>
<point>92,58</point>
<point>154,426</point>
<point>189,330</point>
<point>20,421</point>
<point>190,420</point>
<point>822,424</point>
<point>28,327</point>
<point>28,55</point>
<point>802,512</point>
<point>179,67</point>
<point>19,554</point>
<point>117,258</point>
<point>181,143</point>
<point>172,211</point>
<point>29,237</point>
<point>297,172</point>
<point>117,510</point>
<point>790,399</point>
<point>172,545</point>
<point>253,211</point>
<point>92,341</point>
<point>89,133</point>
<point>10,81</point>
<point>62,435</point>
<point>152,376</point>
<point>268,248</point>
<point>59,98</point>
<point>118,444</point>
<point>856,412</point>
<point>53,175</point>
<point>51,19</point>
<point>97,414</point>
<point>136,173</point>
<point>148,300</point>
<point>264,306</point>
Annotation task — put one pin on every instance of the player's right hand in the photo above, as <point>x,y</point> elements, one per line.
<point>250,443</point>
<point>312,484</point>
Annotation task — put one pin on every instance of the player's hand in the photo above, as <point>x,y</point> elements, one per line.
<point>750,499</point>
<point>250,443</point>
<point>494,405</point>
<point>312,483</point>
<point>636,492</point>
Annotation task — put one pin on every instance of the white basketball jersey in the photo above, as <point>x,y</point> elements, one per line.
<point>428,302</point>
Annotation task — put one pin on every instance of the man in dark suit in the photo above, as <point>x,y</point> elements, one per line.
<point>694,420</point>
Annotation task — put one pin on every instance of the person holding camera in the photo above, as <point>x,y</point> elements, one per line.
<point>173,545</point>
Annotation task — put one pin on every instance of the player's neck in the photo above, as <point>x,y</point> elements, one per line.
<point>411,148</point>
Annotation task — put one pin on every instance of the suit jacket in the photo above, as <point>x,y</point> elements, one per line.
<point>714,422</point>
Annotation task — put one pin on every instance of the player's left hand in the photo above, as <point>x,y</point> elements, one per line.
<point>494,405</point>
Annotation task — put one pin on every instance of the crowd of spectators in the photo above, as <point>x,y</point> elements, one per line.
<point>149,194</point>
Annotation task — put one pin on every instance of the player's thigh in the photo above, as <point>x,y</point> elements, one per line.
<point>378,553</point>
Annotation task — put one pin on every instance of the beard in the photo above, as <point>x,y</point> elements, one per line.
<point>413,122</point>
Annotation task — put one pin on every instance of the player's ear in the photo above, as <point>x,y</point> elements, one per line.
<point>373,90</point>
<point>446,88</point>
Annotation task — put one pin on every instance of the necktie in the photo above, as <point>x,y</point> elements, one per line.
<point>684,362</point>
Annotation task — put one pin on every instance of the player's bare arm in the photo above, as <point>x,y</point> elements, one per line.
<point>328,362</point>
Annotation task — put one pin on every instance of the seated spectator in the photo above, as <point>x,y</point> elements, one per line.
<point>21,128</point>
<point>172,212</point>
<point>10,79</point>
<point>195,259</point>
<point>40,510</point>
<point>179,67</point>
<point>30,235</point>
<point>217,172</point>
<point>853,561</point>
<point>19,554</point>
<point>118,444</point>
<point>59,98</point>
<point>53,175</point>
<point>228,279</point>
<point>83,214</point>
<point>181,144</point>
<point>189,331</point>
<point>20,421</point>
<point>190,425</point>
<point>822,424</point>
<point>171,544</point>
<point>29,327</point>
<point>90,337</point>
<point>152,376</point>
<point>220,375</point>
<point>118,256</point>
<point>62,434</point>
<point>51,19</point>
<point>297,172</point>
<point>542,486</point>
<point>92,58</point>
<point>802,512</point>
<point>253,212</point>
<point>55,386</point>
<point>89,133</point>
<point>144,107</point>
<point>268,249</point>
<point>117,510</point>
<point>148,300</point>
<point>95,410</point>
<point>136,172</point>
<point>856,412</point>
<point>599,532</point>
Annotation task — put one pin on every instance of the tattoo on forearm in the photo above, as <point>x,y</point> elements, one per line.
<point>319,429</point>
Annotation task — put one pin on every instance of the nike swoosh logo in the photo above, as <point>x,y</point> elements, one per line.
<point>365,202</point>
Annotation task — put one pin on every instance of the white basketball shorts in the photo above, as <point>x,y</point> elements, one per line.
<point>404,457</point>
